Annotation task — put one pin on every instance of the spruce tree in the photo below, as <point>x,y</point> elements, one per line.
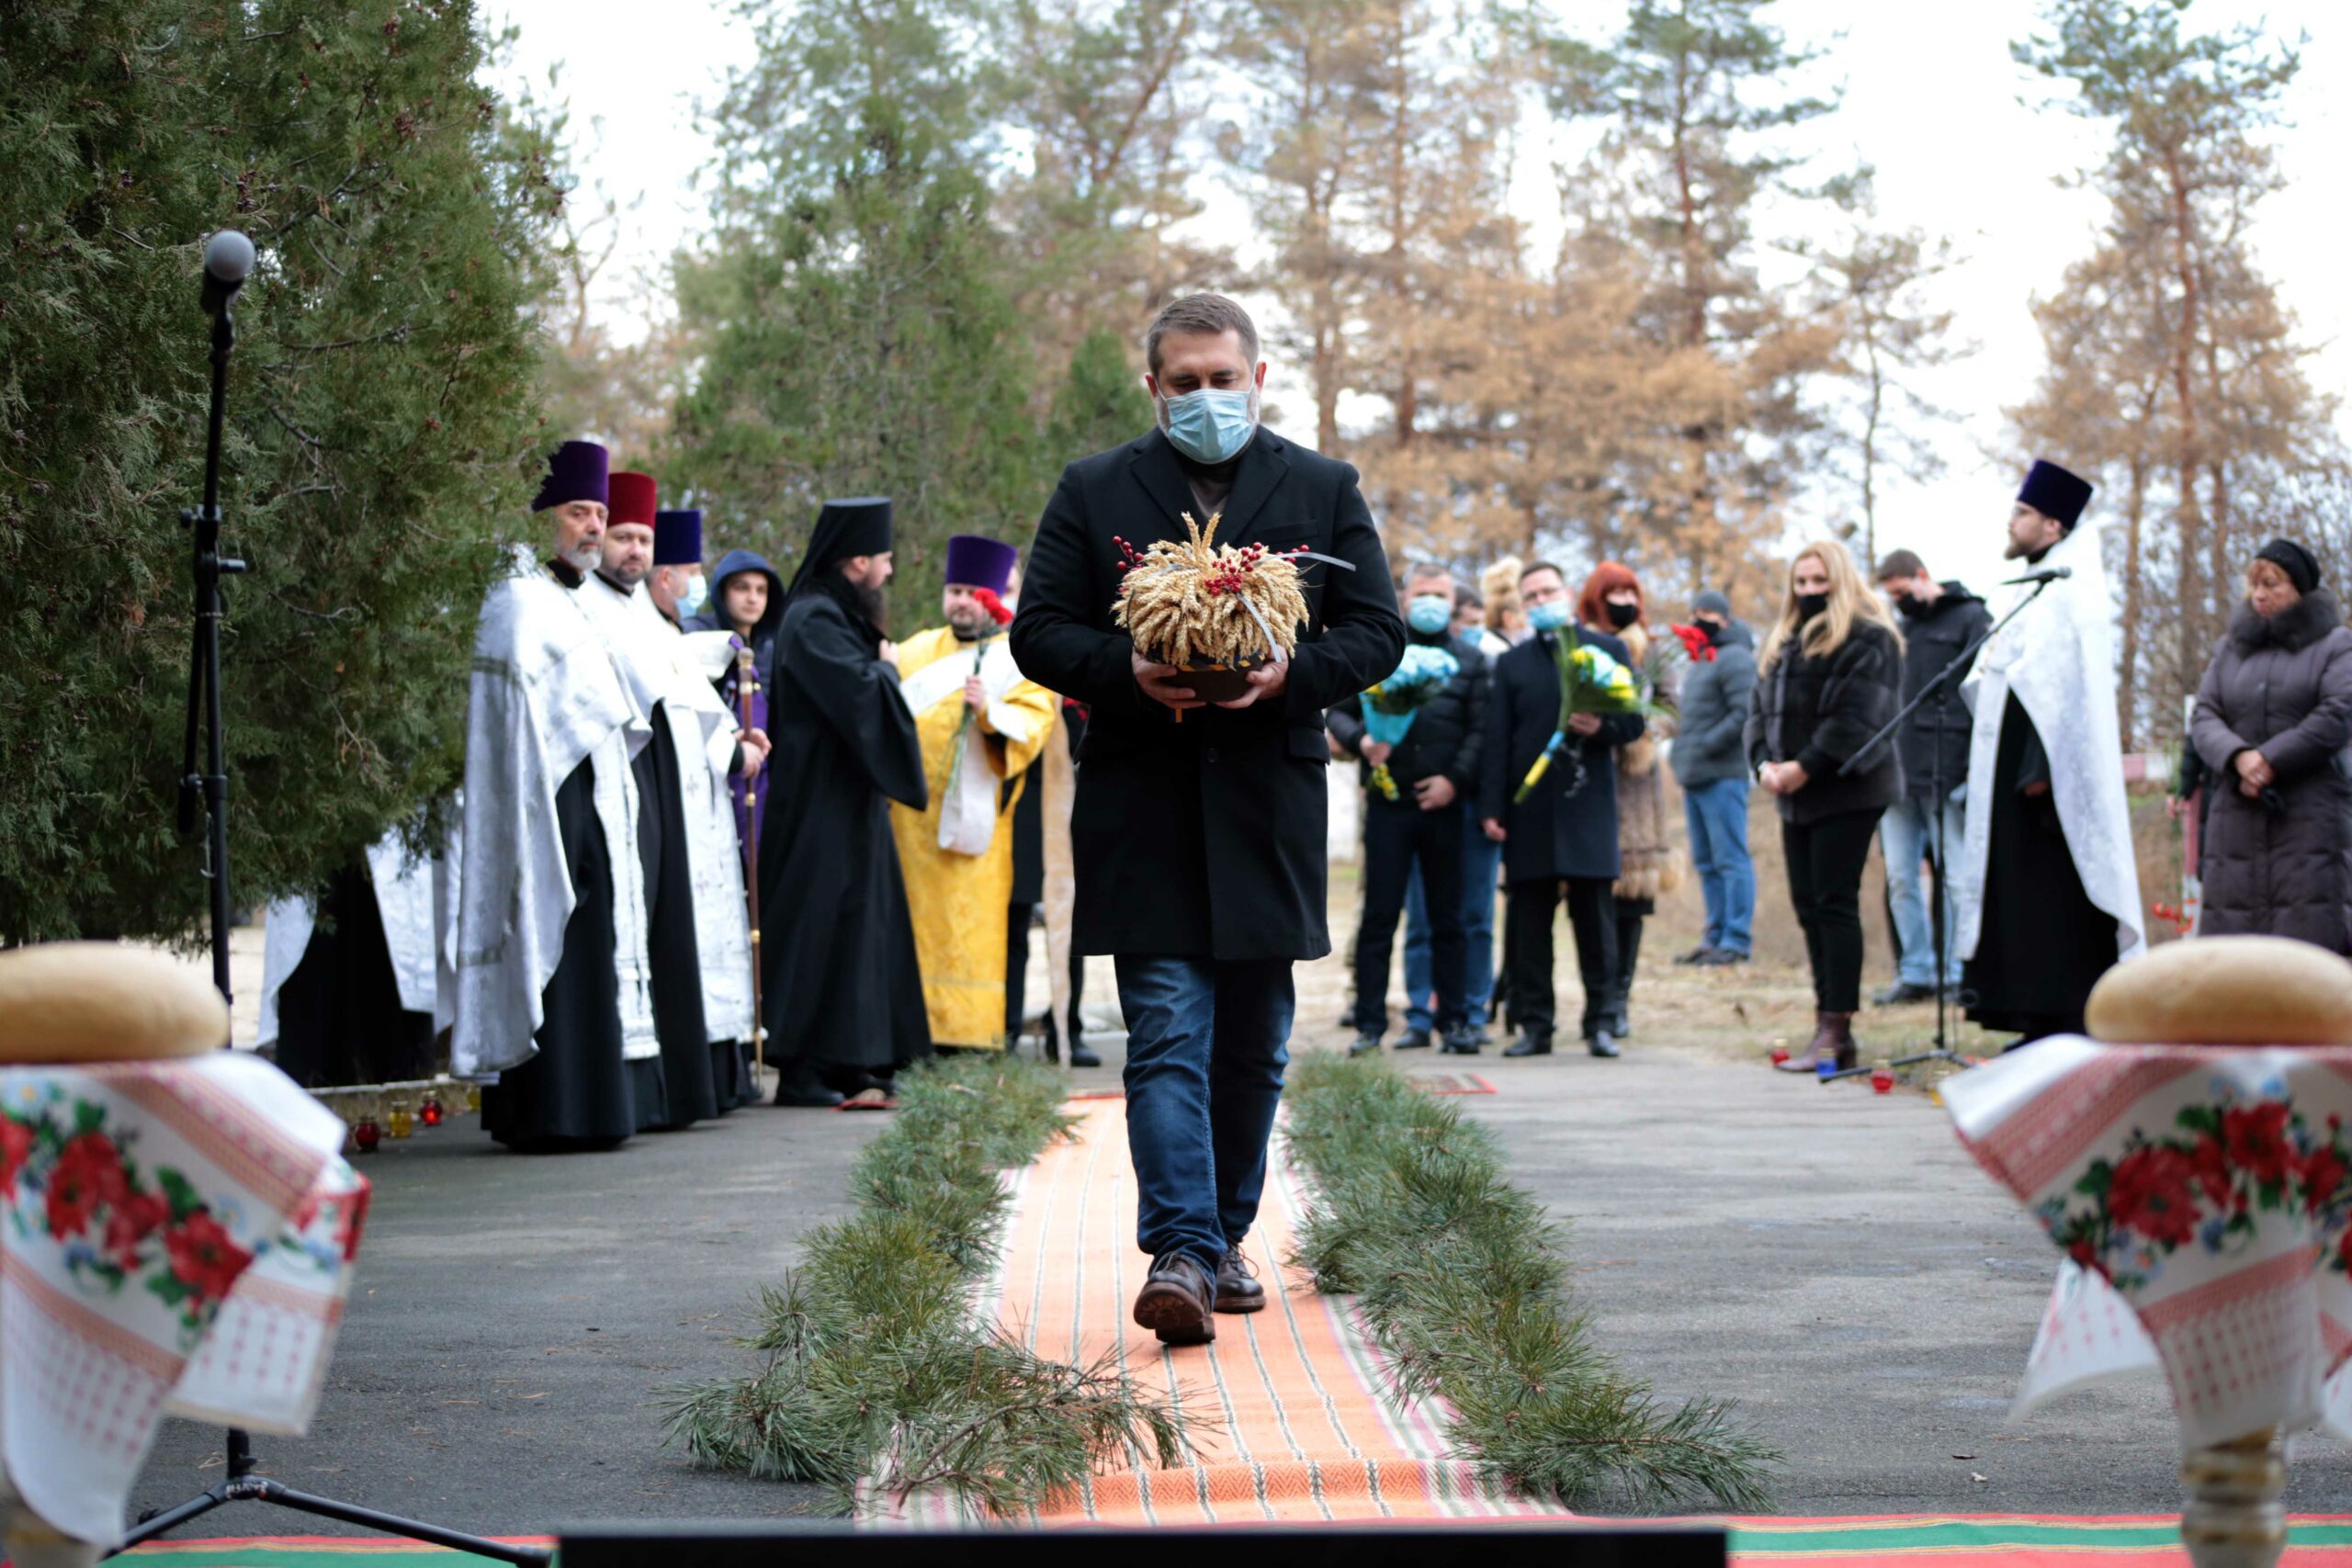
<point>1100,402</point>
<point>857,329</point>
<point>378,434</point>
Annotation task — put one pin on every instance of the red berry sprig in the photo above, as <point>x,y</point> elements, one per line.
<point>1129,557</point>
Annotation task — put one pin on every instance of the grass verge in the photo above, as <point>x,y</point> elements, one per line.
<point>877,1378</point>
<point>1461,1277</point>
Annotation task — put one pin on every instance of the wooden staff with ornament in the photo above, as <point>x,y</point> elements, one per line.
<point>746,684</point>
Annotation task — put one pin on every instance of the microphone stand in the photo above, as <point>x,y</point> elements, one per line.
<point>211,788</point>
<point>1937,858</point>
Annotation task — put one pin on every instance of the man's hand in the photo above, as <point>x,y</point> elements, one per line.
<point>1269,679</point>
<point>1163,683</point>
<point>1584,723</point>
<point>889,654</point>
<point>1376,752</point>
<point>756,745</point>
<point>1495,830</point>
<point>975,694</point>
<point>1435,792</point>
<point>2036,790</point>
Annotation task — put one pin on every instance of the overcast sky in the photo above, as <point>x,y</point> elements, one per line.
<point>1931,99</point>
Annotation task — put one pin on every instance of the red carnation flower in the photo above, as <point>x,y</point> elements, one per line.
<point>2154,1193</point>
<point>1697,643</point>
<point>88,1178</point>
<point>2256,1136</point>
<point>987,600</point>
<point>15,1147</point>
<point>204,1258</point>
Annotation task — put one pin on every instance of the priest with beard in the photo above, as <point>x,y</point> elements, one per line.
<point>840,981</point>
<point>2049,883</point>
<point>553,1008</point>
<point>982,723</point>
<point>697,935</point>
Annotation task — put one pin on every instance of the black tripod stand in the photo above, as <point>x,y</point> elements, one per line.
<point>1947,677</point>
<point>212,787</point>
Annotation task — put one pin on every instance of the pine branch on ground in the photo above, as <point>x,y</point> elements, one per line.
<point>1462,1278</point>
<point>877,1379</point>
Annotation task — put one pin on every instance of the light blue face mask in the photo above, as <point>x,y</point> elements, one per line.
<point>1548,617</point>
<point>696,594</point>
<point>1211,424</point>
<point>1428,613</point>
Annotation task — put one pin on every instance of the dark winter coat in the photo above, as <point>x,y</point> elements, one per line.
<point>1448,734</point>
<point>1935,739</point>
<point>1708,744</point>
<point>1818,712</point>
<point>1204,838</point>
<point>1567,826</point>
<point>2283,687</point>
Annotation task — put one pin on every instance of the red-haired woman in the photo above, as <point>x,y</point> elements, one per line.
<point>1613,605</point>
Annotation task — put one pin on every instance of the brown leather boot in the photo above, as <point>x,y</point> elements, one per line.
<point>1833,1041</point>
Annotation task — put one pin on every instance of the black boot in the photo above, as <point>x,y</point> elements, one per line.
<point>1529,1045</point>
<point>1366,1043</point>
<point>799,1086</point>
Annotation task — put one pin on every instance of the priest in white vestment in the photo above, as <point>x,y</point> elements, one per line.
<point>554,1005</point>
<point>2049,885</point>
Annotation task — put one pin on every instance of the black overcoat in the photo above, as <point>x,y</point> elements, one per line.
<point>1935,739</point>
<point>2281,686</point>
<point>840,981</point>
<point>1204,838</point>
<point>1568,826</point>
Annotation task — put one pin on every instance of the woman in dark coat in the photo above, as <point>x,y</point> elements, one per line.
<point>1825,684</point>
<point>2274,714</point>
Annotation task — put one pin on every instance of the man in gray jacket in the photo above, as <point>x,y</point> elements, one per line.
<point>1712,772</point>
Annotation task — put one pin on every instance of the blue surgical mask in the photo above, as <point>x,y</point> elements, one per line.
<point>1212,424</point>
<point>1548,617</point>
<point>1428,613</point>
<point>696,594</point>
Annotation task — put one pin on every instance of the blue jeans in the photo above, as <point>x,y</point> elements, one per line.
<point>1716,814</point>
<point>1904,834</point>
<point>1207,1046</point>
<point>1482,860</point>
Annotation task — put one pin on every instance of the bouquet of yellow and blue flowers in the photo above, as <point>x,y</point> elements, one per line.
<point>1389,706</point>
<point>1591,681</point>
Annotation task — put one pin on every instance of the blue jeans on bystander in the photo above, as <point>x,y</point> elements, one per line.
<point>1716,814</point>
<point>1904,835</point>
<point>1482,861</point>
<point>1206,1046</point>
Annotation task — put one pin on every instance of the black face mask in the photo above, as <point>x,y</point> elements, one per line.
<point>1811,604</point>
<point>1714,630</point>
<point>1909,608</point>
<point>1623,616</point>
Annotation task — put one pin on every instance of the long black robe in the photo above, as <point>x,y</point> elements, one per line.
<point>2045,944</point>
<point>339,1016</point>
<point>578,1091</point>
<point>840,981</point>
<point>688,1060</point>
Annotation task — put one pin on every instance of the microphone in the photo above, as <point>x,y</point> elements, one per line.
<point>228,257</point>
<point>2047,574</point>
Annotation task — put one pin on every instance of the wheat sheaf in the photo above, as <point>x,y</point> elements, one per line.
<point>1191,601</point>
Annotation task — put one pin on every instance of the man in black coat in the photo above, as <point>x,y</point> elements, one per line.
<point>1434,773</point>
<point>1199,845</point>
<point>1562,839</point>
<point>1940,621</point>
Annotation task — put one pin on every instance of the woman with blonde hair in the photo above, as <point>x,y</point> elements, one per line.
<point>1827,680</point>
<point>1505,616</point>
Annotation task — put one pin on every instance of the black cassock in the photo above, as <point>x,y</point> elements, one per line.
<point>839,980</point>
<point>687,1061</point>
<point>578,1090</point>
<point>339,1017</point>
<point>2043,944</point>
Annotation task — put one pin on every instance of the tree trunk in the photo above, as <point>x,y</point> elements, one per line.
<point>2199,597</point>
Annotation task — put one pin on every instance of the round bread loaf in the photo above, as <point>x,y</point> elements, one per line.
<point>98,1001</point>
<point>2226,990</point>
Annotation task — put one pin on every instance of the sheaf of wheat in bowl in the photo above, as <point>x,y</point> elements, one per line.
<point>1198,605</point>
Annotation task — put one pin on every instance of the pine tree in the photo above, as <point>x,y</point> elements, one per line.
<point>1099,403</point>
<point>854,316</point>
<point>380,429</point>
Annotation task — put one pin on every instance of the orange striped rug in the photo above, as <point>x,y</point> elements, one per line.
<point>1295,1420</point>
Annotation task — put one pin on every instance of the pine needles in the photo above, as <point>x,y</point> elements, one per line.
<point>876,1378</point>
<point>1461,1277</point>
